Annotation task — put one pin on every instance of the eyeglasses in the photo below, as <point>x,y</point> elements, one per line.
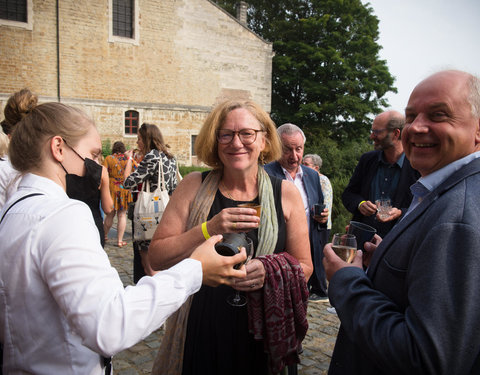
<point>247,136</point>
<point>377,131</point>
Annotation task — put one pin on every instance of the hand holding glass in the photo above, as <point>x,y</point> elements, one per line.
<point>345,246</point>
<point>237,299</point>
<point>383,206</point>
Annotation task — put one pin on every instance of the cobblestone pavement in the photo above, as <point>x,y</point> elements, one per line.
<point>137,360</point>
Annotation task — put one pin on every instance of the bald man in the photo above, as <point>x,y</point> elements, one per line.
<point>417,309</point>
<point>382,173</point>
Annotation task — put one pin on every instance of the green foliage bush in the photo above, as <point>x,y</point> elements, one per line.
<point>106,147</point>
<point>184,170</point>
<point>339,161</point>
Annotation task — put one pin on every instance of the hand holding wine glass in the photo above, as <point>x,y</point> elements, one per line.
<point>345,246</point>
<point>237,299</point>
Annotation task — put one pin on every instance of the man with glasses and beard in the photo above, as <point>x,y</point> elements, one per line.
<point>383,173</point>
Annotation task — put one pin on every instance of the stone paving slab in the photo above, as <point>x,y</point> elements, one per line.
<point>137,360</point>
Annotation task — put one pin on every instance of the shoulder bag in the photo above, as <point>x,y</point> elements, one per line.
<point>149,207</point>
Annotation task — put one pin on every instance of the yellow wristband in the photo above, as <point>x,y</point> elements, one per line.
<point>362,202</point>
<point>205,231</point>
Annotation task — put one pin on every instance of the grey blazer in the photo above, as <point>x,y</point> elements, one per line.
<point>417,311</point>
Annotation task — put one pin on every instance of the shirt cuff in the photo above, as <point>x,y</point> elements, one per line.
<point>190,271</point>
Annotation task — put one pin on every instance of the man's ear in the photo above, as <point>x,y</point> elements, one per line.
<point>398,134</point>
<point>477,136</point>
<point>57,148</point>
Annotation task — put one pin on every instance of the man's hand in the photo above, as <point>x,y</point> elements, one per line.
<point>370,248</point>
<point>323,218</point>
<point>218,269</point>
<point>393,214</point>
<point>332,262</point>
<point>367,208</point>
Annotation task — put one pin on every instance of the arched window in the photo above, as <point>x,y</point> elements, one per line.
<point>131,122</point>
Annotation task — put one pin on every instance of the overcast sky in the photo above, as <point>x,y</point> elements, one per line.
<point>420,37</point>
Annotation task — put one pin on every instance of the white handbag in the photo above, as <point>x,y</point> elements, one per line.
<point>149,208</point>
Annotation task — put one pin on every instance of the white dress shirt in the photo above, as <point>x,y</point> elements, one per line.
<point>62,305</point>
<point>9,179</point>
<point>298,181</point>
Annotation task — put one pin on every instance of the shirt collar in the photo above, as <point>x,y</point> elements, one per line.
<point>434,179</point>
<point>299,173</point>
<point>399,162</point>
<point>45,185</point>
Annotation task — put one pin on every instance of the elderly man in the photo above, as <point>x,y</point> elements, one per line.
<point>290,167</point>
<point>383,173</point>
<point>417,309</point>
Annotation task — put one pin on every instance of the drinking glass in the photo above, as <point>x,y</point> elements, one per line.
<point>237,299</point>
<point>384,205</point>
<point>345,246</point>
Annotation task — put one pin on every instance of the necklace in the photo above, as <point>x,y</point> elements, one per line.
<point>226,191</point>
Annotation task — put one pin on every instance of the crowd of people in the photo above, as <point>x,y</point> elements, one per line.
<point>407,302</point>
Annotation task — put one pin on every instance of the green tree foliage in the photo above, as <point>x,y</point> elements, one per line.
<point>327,74</point>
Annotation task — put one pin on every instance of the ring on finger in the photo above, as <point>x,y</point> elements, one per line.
<point>253,286</point>
<point>235,225</point>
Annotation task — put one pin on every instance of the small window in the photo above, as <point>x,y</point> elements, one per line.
<point>194,138</point>
<point>123,18</point>
<point>131,122</point>
<point>13,10</point>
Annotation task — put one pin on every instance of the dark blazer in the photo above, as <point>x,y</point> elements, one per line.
<point>317,232</point>
<point>358,189</point>
<point>417,311</point>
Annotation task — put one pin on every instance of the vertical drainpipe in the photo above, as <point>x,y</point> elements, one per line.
<point>58,53</point>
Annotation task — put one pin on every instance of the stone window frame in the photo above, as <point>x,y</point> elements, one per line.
<point>130,126</point>
<point>24,25</point>
<point>193,138</point>
<point>135,40</point>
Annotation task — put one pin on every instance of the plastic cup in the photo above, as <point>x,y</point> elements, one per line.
<point>363,233</point>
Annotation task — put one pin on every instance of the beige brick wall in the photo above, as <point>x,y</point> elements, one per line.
<point>189,56</point>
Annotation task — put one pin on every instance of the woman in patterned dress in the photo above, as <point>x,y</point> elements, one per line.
<point>150,142</point>
<point>115,164</point>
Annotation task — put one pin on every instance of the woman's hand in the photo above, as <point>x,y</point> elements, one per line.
<point>233,220</point>
<point>218,269</point>
<point>254,280</point>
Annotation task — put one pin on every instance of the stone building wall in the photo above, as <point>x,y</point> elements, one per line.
<point>186,56</point>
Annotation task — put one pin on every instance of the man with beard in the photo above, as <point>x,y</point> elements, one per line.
<point>382,173</point>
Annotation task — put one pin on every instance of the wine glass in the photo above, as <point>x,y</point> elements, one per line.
<point>345,246</point>
<point>237,299</point>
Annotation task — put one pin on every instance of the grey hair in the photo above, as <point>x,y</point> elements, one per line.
<point>316,160</point>
<point>474,95</point>
<point>289,129</point>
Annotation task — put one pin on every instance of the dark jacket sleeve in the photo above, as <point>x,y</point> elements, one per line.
<point>420,311</point>
<point>359,184</point>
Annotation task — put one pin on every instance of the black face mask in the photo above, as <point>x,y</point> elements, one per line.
<point>82,187</point>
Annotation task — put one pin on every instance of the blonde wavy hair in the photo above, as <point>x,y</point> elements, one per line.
<point>206,145</point>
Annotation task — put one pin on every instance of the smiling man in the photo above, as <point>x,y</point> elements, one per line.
<point>417,309</point>
<point>382,173</point>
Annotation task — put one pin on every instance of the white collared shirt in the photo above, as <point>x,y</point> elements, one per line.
<point>9,179</point>
<point>298,181</point>
<point>62,304</point>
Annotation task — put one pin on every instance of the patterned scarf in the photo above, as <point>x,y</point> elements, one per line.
<point>169,360</point>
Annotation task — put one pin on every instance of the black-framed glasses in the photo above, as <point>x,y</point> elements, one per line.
<point>247,136</point>
<point>376,132</point>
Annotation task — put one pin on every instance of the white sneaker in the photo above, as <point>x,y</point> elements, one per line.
<point>331,310</point>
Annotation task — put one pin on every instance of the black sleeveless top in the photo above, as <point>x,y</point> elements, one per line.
<point>217,341</point>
